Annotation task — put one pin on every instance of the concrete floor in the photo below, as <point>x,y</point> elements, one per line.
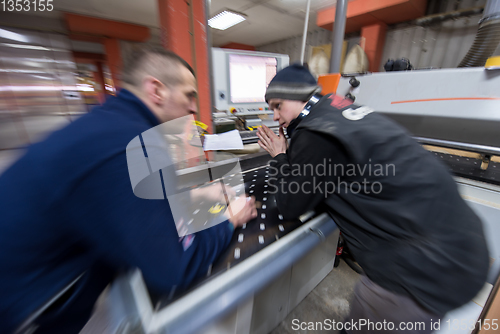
<point>329,300</point>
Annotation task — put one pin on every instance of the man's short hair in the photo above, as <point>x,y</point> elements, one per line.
<point>154,61</point>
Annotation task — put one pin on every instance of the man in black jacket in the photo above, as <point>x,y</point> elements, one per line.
<point>421,246</point>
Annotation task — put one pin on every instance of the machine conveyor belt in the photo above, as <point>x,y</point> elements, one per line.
<point>470,168</point>
<point>268,227</point>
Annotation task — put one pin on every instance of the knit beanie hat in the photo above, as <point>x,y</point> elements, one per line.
<point>294,82</point>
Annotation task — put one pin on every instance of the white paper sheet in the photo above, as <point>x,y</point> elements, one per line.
<point>230,140</point>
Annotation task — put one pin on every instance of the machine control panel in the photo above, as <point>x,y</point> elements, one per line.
<point>250,111</point>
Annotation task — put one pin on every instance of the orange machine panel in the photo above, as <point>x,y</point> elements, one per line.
<point>329,83</point>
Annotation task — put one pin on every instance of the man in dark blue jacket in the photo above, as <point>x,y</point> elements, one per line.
<point>68,211</point>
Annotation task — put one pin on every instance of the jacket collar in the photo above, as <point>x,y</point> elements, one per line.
<point>127,96</point>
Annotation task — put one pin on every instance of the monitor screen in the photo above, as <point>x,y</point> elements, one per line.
<point>249,77</point>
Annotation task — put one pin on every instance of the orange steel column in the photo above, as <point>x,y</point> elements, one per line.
<point>174,22</point>
<point>374,43</point>
<point>113,53</point>
<point>184,31</point>
<point>99,77</point>
<point>201,61</point>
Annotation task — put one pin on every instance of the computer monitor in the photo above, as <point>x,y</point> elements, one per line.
<point>241,79</point>
<point>249,77</point>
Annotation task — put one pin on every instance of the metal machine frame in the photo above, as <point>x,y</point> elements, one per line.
<point>251,297</point>
<point>449,108</point>
<point>232,302</point>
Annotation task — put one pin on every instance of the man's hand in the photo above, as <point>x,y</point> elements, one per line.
<point>216,192</point>
<point>241,210</point>
<point>270,142</point>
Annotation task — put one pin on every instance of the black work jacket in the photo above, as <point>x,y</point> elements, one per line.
<point>396,204</point>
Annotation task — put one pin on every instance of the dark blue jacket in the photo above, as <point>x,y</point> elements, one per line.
<point>67,207</point>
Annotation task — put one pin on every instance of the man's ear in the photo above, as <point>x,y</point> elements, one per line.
<point>155,91</point>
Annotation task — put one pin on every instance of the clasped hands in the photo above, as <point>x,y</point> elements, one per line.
<point>271,142</point>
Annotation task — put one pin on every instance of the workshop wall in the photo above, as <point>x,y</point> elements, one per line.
<point>441,45</point>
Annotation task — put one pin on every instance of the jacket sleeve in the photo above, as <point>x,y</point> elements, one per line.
<point>304,176</point>
<point>127,231</point>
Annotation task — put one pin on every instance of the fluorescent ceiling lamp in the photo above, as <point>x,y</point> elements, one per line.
<point>225,20</point>
<point>35,88</point>
<point>21,71</point>
<point>13,36</point>
<point>22,46</point>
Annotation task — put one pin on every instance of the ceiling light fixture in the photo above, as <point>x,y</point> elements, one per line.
<point>226,19</point>
<point>23,46</point>
<point>13,36</point>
